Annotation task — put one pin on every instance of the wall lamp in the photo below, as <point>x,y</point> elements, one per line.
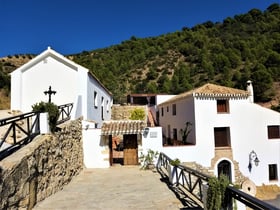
<point>253,158</point>
<point>146,131</point>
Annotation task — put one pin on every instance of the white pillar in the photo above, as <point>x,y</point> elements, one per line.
<point>44,123</point>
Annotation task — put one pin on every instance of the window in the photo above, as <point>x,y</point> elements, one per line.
<point>222,106</point>
<point>95,99</point>
<point>167,109</point>
<point>272,171</point>
<point>162,111</point>
<point>107,105</point>
<point>173,109</point>
<point>273,131</point>
<point>222,137</point>
<point>175,133</point>
<point>102,108</point>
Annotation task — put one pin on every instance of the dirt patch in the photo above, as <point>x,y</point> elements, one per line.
<point>268,192</point>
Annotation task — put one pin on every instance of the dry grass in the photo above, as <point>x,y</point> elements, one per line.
<point>268,192</point>
<point>4,100</point>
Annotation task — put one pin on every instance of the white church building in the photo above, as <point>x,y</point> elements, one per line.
<point>71,82</point>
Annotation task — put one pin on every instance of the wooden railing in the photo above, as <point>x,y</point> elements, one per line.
<point>249,200</point>
<point>64,113</point>
<point>190,182</point>
<point>20,130</point>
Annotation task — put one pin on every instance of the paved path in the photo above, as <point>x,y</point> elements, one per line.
<point>121,187</point>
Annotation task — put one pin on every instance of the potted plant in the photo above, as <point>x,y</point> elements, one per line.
<point>148,160</point>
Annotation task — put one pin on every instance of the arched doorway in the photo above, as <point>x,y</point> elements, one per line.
<point>224,167</point>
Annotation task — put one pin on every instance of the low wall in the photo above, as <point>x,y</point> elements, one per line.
<point>41,168</point>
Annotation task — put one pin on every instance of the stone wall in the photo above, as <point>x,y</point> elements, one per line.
<point>123,112</point>
<point>41,168</point>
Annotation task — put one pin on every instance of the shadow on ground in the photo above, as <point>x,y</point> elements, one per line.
<point>186,201</point>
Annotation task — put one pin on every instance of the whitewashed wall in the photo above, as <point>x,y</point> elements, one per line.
<point>162,98</point>
<point>152,140</point>
<point>96,149</point>
<point>94,113</point>
<point>248,131</point>
<point>32,82</point>
<point>72,83</point>
<point>184,113</point>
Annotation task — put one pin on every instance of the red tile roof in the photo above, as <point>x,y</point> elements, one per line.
<point>121,127</point>
<point>210,91</point>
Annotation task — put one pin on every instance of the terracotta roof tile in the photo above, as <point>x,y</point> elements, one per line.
<point>121,127</point>
<point>211,91</point>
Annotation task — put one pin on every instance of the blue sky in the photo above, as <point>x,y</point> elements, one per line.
<point>72,26</point>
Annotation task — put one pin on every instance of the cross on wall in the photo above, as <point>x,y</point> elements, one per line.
<point>50,92</point>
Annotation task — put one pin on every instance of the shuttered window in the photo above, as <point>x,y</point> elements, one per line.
<point>273,131</point>
<point>175,133</point>
<point>272,170</point>
<point>222,106</point>
<point>174,109</point>
<point>222,137</point>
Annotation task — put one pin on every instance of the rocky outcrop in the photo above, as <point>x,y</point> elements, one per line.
<point>41,168</point>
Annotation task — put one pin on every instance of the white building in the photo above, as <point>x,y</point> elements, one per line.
<point>229,133</point>
<point>72,83</point>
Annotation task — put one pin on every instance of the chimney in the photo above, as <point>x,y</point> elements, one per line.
<point>250,91</point>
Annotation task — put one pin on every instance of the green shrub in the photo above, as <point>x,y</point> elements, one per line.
<point>52,110</point>
<point>216,194</point>
<point>137,114</point>
<point>148,159</point>
<point>175,162</point>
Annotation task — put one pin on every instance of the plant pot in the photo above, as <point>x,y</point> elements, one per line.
<point>151,166</point>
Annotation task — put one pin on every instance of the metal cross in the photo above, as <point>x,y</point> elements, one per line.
<point>50,92</point>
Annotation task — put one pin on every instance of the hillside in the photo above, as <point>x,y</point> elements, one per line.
<point>243,47</point>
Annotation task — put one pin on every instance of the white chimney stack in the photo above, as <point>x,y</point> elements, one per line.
<point>250,91</point>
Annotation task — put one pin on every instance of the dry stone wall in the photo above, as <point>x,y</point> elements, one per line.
<point>123,112</point>
<point>41,168</point>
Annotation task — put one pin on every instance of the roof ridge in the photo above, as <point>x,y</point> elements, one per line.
<point>212,91</point>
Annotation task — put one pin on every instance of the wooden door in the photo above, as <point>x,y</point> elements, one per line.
<point>130,151</point>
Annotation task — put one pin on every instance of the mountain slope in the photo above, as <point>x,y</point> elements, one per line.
<point>243,47</point>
